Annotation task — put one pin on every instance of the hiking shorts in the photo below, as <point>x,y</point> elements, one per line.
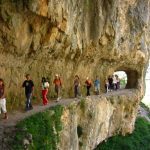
<point>3,105</point>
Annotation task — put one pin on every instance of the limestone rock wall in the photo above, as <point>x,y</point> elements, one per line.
<point>95,119</point>
<point>84,37</point>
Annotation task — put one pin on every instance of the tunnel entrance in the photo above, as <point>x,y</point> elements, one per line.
<point>129,78</point>
<point>122,78</point>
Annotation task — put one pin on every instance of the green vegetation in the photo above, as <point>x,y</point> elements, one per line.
<point>139,140</point>
<point>123,83</point>
<point>44,128</point>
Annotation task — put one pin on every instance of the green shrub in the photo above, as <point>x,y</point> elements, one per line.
<point>139,140</point>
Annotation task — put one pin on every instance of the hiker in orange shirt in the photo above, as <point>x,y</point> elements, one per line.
<point>88,84</point>
<point>58,84</point>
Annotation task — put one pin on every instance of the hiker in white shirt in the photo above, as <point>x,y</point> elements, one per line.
<point>114,82</point>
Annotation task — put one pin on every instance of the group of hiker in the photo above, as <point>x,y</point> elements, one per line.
<point>88,85</point>
<point>112,83</point>
<point>29,86</point>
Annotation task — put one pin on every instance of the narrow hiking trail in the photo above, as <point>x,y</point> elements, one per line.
<point>17,116</point>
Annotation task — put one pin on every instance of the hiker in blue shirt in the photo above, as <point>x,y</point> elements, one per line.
<point>97,86</point>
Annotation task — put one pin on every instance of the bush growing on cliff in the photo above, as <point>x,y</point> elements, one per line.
<point>44,128</point>
<point>139,140</point>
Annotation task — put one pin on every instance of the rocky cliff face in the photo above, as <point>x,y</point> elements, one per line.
<point>79,125</point>
<point>81,37</point>
<point>97,118</point>
<point>84,37</point>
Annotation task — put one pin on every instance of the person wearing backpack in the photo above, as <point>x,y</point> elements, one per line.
<point>45,86</point>
<point>88,84</point>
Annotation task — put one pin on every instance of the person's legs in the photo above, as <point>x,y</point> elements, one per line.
<point>28,101</point>
<point>44,95</point>
<point>75,91</point>
<point>116,86</point>
<point>78,91</point>
<point>97,90</point>
<point>107,88</point>
<point>46,92</point>
<point>112,87</point>
<point>56,91</point>
<point>59,92</point>
<point>0,107</point>
<point>4,108</point>
<point>88,91</point>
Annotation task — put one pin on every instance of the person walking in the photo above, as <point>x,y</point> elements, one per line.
<point>114,82</point>
<point>29,86</point>
<point>110,81</point>
<point>118,82</point>
<point>76,86</point>
<point>88,84</point>
<point>3,99</point>
<point>58,85</point>
<point>97,86</point>
<point>45,86</point>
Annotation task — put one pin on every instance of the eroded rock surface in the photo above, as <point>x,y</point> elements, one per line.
<point>95,119</point>
<point>84,37</point>
<point>85,123</point>
<point>81,37</point>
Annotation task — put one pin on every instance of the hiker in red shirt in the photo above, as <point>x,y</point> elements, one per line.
<point>88,84</point>
<point>58,84</point>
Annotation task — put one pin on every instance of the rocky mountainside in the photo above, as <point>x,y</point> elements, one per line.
<point>84,37</point>
<point>81,37</point>
<point>79,124</point>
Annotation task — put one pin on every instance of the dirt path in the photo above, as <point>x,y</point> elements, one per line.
<point>17,116</point>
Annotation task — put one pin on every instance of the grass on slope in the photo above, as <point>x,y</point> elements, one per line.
<point>44,128</point>
<point>139,140</point>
